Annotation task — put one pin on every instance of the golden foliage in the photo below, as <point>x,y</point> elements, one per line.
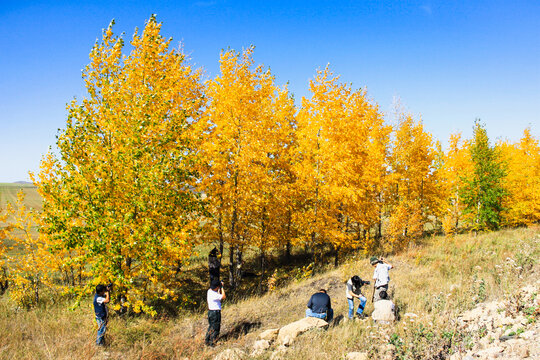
<point>522,180</point>
<point>153,162</point>
<point>118,200</point>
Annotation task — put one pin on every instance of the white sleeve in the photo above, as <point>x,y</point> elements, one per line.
<point>100,300</point>
<point>389,266</point>
<point>349,289</point>
<point>213,295</point>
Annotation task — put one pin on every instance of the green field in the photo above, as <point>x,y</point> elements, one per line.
<point>8,194</point>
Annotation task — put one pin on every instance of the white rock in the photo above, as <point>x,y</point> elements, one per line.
<point>357,356</point>
<point>490,352</point>
<point>261,345</point>
<point>472,315</point>
<point>279,353</point>
<point>231,354</point>
<point>269,334</point>
<point>289,332</point>
<point>410,315</point>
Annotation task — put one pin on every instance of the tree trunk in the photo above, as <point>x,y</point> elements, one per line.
<point>238,269</point>
<point>232,273</point>
<point>336,257</point>
<point>263,269</point>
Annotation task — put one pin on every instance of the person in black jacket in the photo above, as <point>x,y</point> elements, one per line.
<point>320,306</point>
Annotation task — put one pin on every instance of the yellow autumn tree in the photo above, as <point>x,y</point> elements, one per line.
<point>342,145</point>
<point>117,199</point>
<point>246,139</point>
<point>522,181</point>
<point>456,165</point>
<point>413,190</point>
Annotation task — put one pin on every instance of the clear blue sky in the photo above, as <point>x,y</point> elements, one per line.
<point>448,61</point>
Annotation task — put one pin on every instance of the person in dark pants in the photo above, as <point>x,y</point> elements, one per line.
<point>101,299</point>
<point>214,264</point>
<point>214,296</point>
<point>320,306</point>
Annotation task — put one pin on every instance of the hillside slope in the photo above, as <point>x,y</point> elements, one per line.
<point>437,280</point>
<point>8,193</point>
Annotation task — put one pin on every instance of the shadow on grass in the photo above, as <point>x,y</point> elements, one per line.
<point>240,329</point>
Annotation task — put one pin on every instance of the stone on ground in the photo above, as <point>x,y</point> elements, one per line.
<point>289,332</point>
<point>357,356</point>
<point>269,334</point>
<point>231,354</point>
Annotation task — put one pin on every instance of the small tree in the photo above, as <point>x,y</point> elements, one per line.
<point>28,270</point>
<point>483,192</point>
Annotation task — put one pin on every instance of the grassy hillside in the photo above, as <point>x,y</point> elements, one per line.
<point>8,193</point>
<point>436,279</point>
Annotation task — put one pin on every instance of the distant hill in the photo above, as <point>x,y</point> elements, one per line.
<point>23,183</point>
<point>8,193</point>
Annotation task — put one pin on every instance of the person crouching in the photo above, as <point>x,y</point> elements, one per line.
<point>384,309</point>
<point>320,306</point>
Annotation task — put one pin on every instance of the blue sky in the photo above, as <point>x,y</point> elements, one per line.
<point>448,61</point>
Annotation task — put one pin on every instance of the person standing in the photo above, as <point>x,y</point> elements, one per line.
<point>101,299</point>
<point>354,290</point>
<point>214,296</point>
<point>320,306</point>
<point>381,277</point>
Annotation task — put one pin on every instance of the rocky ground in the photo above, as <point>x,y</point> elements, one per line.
<point>505,329</point>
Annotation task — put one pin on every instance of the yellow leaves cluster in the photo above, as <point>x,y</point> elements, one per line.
<point>246,142</point>
<point>29,263</point>
<point>413,189</point>
<point>118,204</point>
<point>341,162</point>
<point>522,180</point>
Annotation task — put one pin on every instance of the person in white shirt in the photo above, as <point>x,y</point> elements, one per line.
<point>214,296</point>
<point>384,310</point>
<point>381,277</point>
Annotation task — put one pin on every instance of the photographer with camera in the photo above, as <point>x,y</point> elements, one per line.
<point>101,299</point>
<point>214,296</point>
<point>381,277</point>
<point>354,290</point>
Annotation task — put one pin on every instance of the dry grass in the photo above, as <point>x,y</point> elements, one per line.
<point>436,279</point>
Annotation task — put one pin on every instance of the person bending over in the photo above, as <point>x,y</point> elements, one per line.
<point>354,290</point>
<point>320,306</point>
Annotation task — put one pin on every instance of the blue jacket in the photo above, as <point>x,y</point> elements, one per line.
<point>319,303</point>
<point>100,309</point>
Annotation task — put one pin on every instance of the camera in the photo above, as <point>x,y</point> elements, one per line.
<point>109,286</point>
<point>365,282</point>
